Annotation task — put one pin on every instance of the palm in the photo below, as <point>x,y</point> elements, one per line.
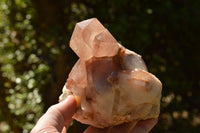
<point>143,126</point>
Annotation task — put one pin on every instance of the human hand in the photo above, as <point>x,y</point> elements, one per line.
<point>58,118</point>
<point>143,126</point>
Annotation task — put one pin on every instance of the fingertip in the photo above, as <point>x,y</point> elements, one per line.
<point>92,129</point>
<point>125,127</point>
<point>144,126</point>
<point>70,97</point>
<point>68,106</point>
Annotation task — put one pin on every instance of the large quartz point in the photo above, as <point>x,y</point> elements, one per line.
<point>112,82</point>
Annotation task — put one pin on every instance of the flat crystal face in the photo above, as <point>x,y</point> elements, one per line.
<point>90,38</point>
<point>112,81</point>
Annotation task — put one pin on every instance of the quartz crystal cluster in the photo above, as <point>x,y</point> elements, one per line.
<point>112,82</point>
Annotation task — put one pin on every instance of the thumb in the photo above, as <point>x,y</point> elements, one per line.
<point>56,117</point>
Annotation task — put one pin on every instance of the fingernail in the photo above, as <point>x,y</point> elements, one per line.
<point>78,101</point>
<point>66,98</point>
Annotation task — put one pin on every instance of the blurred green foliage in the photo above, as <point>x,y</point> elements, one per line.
<point>35,58</point>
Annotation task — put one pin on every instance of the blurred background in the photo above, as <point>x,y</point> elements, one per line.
<point>35,57</point>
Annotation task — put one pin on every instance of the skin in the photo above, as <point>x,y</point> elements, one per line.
<point>59,116</point>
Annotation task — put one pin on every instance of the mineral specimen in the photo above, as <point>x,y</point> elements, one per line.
<point>112,82</point>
